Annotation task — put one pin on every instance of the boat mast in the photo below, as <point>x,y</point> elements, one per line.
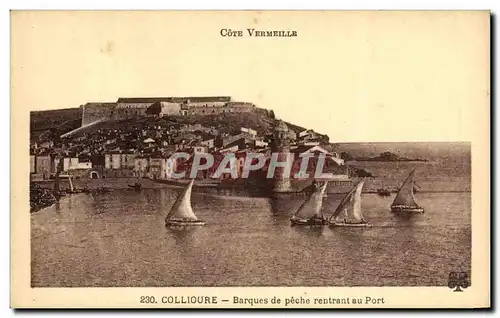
<point>342,205</point>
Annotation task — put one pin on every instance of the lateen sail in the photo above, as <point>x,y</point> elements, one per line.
<point>182,210</point>
<point>349,209</point>
<point>312,206</point>
<point>405,197</point>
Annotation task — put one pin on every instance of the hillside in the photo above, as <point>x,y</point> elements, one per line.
<point>58,121</point>
<point>40,120</point>
<point>64,120</point>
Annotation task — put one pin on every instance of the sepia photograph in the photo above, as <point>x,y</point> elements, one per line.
<point>108,208</point>
<point>313,150</point>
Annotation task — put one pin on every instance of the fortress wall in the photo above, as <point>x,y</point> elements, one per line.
<point>135,105</point>
<point>92,112</point>
<point>241,107</point>
<point>208,110</point>
<point>168,108</point>
<point>217,109</point>
<point>206,104</point>
<point>131,110</point>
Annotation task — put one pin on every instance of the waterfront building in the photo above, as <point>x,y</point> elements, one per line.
<point>141,165</point>
<point>74,163</point>
<point>157,168</point>
<point>43,166</point>
<point>32,164</point>
<point>112,160</point>
<point>208,142</point>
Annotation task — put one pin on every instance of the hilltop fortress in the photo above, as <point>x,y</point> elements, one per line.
<point>126,108</point>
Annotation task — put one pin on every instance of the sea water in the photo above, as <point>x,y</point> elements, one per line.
<point>120,238</point>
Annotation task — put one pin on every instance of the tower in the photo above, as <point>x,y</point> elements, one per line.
<point>281,145</point>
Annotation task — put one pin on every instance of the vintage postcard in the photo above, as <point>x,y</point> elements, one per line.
<point>253,159</point>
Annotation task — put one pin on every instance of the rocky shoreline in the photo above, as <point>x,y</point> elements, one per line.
<point>40,198</point>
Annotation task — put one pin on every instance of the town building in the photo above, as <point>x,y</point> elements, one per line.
<point>42,166</point>
<point>261,144</point>
<point>249,131</point>
<point>141,166</point>
<point>32,164</point>
<point>157,168</point>
<point>209,143</point>
<point>170,168</point>
<point>112,160</point>
<point>74,163</point>
<point>127,160</point>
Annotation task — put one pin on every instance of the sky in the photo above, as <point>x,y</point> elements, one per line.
<point>356,76</point>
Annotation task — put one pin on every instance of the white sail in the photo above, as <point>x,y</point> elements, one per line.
<point>182,210</point>
<point>349,209</point>
<point>405,196</point>
<point>357,214</point>
<point>312,206</point>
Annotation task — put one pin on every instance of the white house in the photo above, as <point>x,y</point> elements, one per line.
<point>73,164</point>
<point>112,161</point>
<point>210,143</point>
<point>260,143</point>
<point>248,131</point>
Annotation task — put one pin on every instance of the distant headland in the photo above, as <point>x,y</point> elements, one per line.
<point>386,156</point>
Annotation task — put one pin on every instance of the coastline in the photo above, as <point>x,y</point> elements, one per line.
<point>40,198</point>
<point>371,186</point>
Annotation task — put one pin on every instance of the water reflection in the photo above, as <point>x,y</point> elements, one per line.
<point>57,207</point>
<point>184,236</point>
<point>403,219</point>
<point>283,206</point>
<point>309,231</point>
<point>350,235</point>
<point>246,241</point>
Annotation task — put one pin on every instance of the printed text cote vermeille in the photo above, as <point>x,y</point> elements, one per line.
<point>257,33</point>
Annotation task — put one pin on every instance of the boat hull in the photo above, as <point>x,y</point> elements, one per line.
<point>383,194</point>
<point>349,225</point>
<point>407,210</point>
<point>309,222</point>
<point>184,223</point>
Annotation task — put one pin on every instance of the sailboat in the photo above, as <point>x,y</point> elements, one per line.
<point>405,199</point>
<point>181,213</point>
<point>383,191</point>
<point>349,213</point>
<point>309,213</point>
